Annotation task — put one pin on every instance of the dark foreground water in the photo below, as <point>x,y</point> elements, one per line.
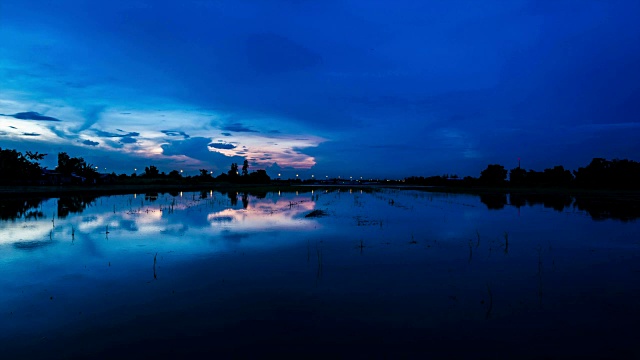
<point>385,274</point>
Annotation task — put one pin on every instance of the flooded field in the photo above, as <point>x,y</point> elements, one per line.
<point>361,274</point>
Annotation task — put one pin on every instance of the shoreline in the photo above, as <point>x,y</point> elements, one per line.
<point>122,189</point>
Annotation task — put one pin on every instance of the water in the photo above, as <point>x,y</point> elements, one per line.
<point>386,273</point>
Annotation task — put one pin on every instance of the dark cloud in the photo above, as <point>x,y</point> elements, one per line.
<point>175,133</point>
<point>32,115</point>
<point>13,127</point>
<point>226,134</point>
<point>30,134</point>
<point>222,146</point>
<point>237,127</point>
<point>90,143</point>
<point>128,140</point>
<point>107,134</point>
<point>197,148</point>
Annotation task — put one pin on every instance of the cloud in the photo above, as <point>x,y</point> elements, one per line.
<point>13,127</point>
<point>107,134</point>
<point>62,134</point>
<point>128,140</point>
<point>222,146</point>
<point>226,134</point>
<point>32,115</point>
<point>92,115</point>
<point>30,134</point>
<point>175,133</point>
<point>90,143</point>
<point>197,148</point>
<point>237,127</point>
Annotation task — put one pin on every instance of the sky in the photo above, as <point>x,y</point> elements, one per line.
<point>360,88</point>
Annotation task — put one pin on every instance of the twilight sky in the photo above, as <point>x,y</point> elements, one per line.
<point>332,88</point>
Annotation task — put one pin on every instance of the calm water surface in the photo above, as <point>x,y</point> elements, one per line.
<point>387,273</point>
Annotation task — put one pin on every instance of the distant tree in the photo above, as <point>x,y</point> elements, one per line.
<point>34,156</point>
<point>151,172</point>
<point>175,174</point>
<point>602,173</point>
<point>204,176</point>
<point>493,175</point>
<point>245,168</point>
<point>557,176</point>
<point>70,166</point>
<point>233,172</point>
<point>15,167</point>
<point>259,177</point>
<point>517,176</point>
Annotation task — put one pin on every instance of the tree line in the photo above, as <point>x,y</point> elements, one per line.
<point>24,169</point>
<point>599,174</point>
<point>17,168</point>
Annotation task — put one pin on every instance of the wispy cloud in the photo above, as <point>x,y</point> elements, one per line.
<point>92,116</point>
<point>175,133</point>
<point>237,127</point>
<point>107,134</point>
<point>31,115</point>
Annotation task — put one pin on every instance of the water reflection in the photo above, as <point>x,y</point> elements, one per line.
<point>73,205</point>
<point>377,263</point>
<point>599,208</point>
<point>12,209</point>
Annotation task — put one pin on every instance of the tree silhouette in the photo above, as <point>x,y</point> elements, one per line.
<point>70,166</point>
<point>517,176</point>
<point>493,175</point>
<point>233,172</point>
<point>151,172</point>
<point>245,168</point>
<point>17,168</point>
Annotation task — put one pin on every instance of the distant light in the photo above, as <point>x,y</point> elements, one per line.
<point>278,174</point>
<point>181,171</point>
<point>311,175</point>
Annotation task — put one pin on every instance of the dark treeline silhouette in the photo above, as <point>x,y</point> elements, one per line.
<point>24,169</point>
<point>151,173</point>
<point>599,174</point>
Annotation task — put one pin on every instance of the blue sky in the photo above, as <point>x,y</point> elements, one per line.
<point>331,88</point>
